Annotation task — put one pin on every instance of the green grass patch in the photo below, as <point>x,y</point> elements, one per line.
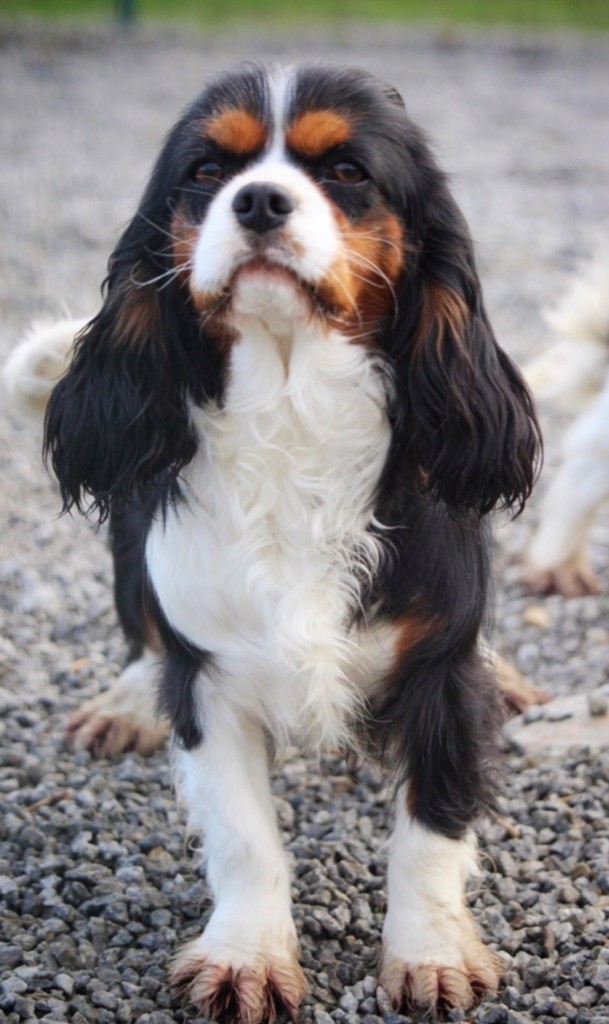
<point>583,14</point>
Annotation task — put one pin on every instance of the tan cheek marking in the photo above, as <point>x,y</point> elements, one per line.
<point>236,131</point>
<point>317,131</point>
<point>209,305</point>
<point>362,279</point>
<point>184,242</point>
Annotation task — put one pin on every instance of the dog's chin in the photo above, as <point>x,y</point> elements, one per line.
<point>271,293</point>
<point>264,292</point>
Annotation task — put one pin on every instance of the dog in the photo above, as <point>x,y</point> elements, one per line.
<point>293,412</point>
<point>574,375</point>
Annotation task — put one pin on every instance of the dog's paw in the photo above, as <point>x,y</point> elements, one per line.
<point>570,580</point>
<point>229,985</point>
<point>106,734</point>
<point>519,694</point>
<point>123,717</point>
<point>433,988</point>
<point>437,978</point>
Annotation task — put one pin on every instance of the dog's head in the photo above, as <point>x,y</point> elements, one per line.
<point>286,197</point>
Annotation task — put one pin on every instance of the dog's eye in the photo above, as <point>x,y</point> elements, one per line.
<point>208,172</point>
<point>346,173</point>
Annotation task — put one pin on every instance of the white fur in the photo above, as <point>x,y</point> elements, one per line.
<point>426,878</point>
<point>257,566</point>
<point>575,372</point>
<point>36,364</point>
<point>280,86</point>
<point>579,486</point>
<point>225,784</point>
<point>573,368</point>
<point>133,693</point>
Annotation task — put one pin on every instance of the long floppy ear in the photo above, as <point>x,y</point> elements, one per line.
<point>119,415</point>
<point>469,421</point>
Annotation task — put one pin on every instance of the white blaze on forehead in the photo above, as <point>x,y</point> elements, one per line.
<point>281,83</point>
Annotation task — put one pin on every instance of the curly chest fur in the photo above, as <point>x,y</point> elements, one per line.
<point>262,563</point>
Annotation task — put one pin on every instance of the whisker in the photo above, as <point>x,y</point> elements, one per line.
<point>171,273</point>
<point>363,261</point>
<point>188,265</point>
<point>158,227</point>
<point>189,191</point>
<point>377,237</point>
<point>152,280</point>
<point>362,336</point>
<point>169,251</point>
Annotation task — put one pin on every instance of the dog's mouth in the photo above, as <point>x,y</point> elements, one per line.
<point>267,282</point>
<point>265,267</point>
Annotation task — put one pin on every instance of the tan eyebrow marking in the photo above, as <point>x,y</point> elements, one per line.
<point>313,133</point>
<point>236,130</point>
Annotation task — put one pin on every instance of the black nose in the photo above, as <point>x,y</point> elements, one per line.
<point>262,206</point>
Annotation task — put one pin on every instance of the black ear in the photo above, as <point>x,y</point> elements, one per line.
<point>119,416</point>
<point>469,421</point>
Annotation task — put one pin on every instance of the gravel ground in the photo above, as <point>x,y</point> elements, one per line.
<point>97,886</point>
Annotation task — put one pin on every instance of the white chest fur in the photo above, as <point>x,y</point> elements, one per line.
<point>262,562</point>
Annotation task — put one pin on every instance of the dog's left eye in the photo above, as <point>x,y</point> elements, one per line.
<point>207,173</point>
<point>346,173</point>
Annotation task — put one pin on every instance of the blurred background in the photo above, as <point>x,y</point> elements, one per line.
<point>584,14</point>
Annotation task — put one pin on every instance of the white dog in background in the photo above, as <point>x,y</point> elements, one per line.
<point>573,374</point>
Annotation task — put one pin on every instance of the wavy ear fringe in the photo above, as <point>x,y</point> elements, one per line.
<point>118,417</point>
<point>467,419</point>
<point>472,427</point>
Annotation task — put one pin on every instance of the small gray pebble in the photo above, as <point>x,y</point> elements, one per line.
<point>7,885</point>
<point>600,978</point>
<point>598,704</point>
<point>160,918</point>
<point>13,984</point>
<point>532,714</point>
<point>557,714</point>
<point>106,1000</point>
<point>10,957</point>
<point>65,983</point>
<point>349,1002</point>
<point>383,1001</point>
<point>358,991</point>
<point>369,985</point>
<point>492,1014</point>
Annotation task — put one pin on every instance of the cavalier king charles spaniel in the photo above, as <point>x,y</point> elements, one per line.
<point>293,410</point>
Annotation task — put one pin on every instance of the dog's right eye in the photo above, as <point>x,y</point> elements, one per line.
<point>207,173</point>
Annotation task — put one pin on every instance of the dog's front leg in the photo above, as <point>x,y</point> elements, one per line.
<point>244,966</point>
<point>432,955</point>
<point>433,958</point>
